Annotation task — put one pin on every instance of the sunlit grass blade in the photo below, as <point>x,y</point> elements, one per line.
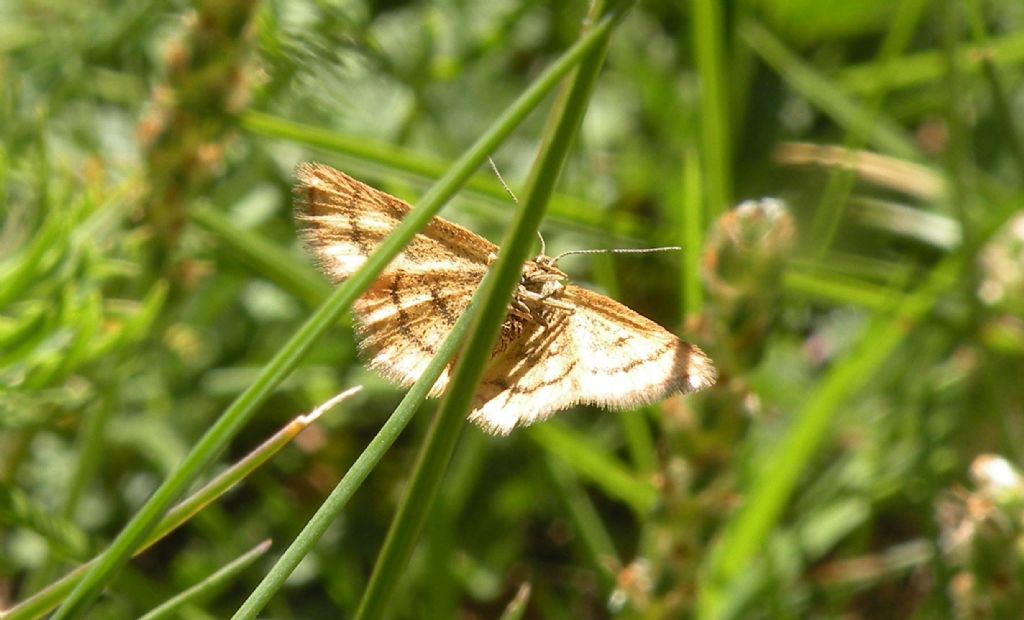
<point>517,606</point>
<point>835,289</point>
<point>208,587</point>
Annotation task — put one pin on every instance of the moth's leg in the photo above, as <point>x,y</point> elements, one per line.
<point>557,303</point>
<point>545,299</point>
<point>547,277</point>
<point>527,295</point>
<point>519,307</point>
<point>525,306</point>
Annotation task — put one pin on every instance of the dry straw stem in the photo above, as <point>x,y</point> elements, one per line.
<point>889,172</point>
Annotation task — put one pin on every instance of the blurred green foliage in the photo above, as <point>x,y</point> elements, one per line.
<point>860,455</point>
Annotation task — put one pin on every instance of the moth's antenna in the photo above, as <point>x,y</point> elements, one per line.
<point>508,190</point>
<point>670,248</point>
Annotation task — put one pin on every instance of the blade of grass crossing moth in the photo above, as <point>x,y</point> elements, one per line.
<point>356,474</point>
<point>288,357</point>
<point>496,291</point>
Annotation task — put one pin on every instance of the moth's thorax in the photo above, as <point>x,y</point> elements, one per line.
<point>538,297</point>
<point>542,277</point>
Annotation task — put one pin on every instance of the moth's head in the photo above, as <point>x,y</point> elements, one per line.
<point>544,267</point>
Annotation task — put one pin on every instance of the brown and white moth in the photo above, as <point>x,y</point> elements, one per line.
<point>560,345</point>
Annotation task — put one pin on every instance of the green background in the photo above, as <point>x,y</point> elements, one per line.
<point>858,456</point>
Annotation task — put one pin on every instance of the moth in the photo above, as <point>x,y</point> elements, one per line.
<point>560,345</point>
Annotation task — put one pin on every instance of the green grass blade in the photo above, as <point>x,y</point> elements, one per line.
<point>593,535</point>
<point>617,481</point>
<point>838,289</point>
<point>715,141</point>
<point>691,234</point>
<point>209,586</point>
<point>389,160</point>
<point>495,292</point>
<point>828,96</point>
<point>356,474</point>
<point>927,67</point>
<point>245,406</point>
<point>267,258</point>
